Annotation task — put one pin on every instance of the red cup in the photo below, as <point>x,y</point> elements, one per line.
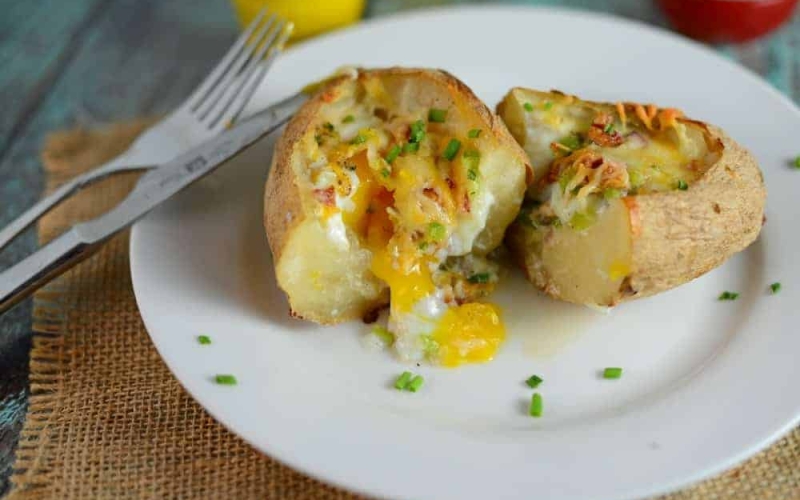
<point>720,21</point>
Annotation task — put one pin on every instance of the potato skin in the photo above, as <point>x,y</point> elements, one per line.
<point>289,212</point>
<point>675,236</point>
<point>680,235</point>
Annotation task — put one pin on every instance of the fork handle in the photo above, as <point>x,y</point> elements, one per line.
<point>15,227</point>
<point>27,276</point>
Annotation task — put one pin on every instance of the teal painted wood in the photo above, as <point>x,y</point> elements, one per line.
<point>64,63</point>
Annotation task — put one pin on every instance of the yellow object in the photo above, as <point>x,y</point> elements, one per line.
<point>469,333</point>
<point>310,17</point>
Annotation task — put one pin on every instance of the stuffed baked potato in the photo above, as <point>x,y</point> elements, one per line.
<point>396,183</point>
<point>630,200</point>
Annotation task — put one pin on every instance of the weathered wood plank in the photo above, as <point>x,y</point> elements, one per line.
<point>36,39</point>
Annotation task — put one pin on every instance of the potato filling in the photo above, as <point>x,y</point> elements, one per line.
<point>407,181</point>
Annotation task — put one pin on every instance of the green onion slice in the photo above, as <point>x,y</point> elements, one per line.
<point>534,381</point>
<point>437,115</point>
<point>402,381</point>
<point>415,383</point>
<point>537,406</point>
<point>225,379</point>
<point>612,373</point>
<point>451,150</point>
<point>393,154</point>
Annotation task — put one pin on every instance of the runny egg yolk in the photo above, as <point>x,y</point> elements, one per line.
<point>469,333</point>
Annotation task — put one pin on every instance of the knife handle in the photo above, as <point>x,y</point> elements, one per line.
<point>22,279</point>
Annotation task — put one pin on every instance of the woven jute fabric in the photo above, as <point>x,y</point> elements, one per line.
<point>107,419</point>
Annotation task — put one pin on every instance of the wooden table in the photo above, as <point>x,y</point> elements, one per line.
<point>88,62</point>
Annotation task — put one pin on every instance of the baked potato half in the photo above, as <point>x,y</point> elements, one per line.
<point>395,183</point>
<point>630,200</point>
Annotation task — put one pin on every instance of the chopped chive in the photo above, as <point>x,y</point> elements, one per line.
<point>225,379</point>
<point>537,407</point>
<point>437,231</point>
<point>402,381</point>
<point>385,335</point>
<point>328,126</point>
<point>728,296</point>
<point>415,383</point>
<point>423,245</point>
<point>386,173</point>
<point>797,161</point>
<point>417,131</point>
<point>608,129</point>
<point>534,381</point>
<point>474,133</point>
<point>775,287</point>
<point>451,150</point>
<point>528,106</point>
<point>612,373</point>
<point>547,105</point>
<point>411,147</point>
<point>348,119</point>
<point>203,339</point>
<point>359,139</point>
<point>472,153</point>
<point>682,185</point>
<point>437,115</point>
<point>571,141</point>
<point>479,278</point>
<point>393,154</point>
<point>472,174</point>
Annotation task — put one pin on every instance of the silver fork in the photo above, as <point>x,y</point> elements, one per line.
<point>214,105</point>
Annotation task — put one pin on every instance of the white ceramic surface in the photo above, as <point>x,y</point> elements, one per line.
<point>706,383</point>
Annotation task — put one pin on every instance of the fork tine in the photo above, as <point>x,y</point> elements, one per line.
<point>235,69</point>
<point>253,74</point>
<point>219,70</point>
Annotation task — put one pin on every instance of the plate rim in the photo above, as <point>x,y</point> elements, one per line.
<point>296,463</point>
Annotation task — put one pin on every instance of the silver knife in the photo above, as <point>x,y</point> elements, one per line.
<point>82,240</point>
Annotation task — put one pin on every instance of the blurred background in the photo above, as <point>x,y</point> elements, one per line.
<point>91,62</point>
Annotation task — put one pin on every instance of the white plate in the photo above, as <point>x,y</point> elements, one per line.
<point>706,383</point>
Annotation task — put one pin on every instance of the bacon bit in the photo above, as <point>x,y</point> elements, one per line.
<point>622,116</point>
<point>598,135</point>
<point>450,183</point>
<point>431,194</point>
<point>325,196</point>
<point>668,118</point>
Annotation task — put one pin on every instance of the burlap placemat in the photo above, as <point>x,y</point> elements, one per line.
<point>107,420</point>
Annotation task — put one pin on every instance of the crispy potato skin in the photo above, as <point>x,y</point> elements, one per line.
<point>289,212</point>
<point>680,235</point>
<point>675,236</point>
